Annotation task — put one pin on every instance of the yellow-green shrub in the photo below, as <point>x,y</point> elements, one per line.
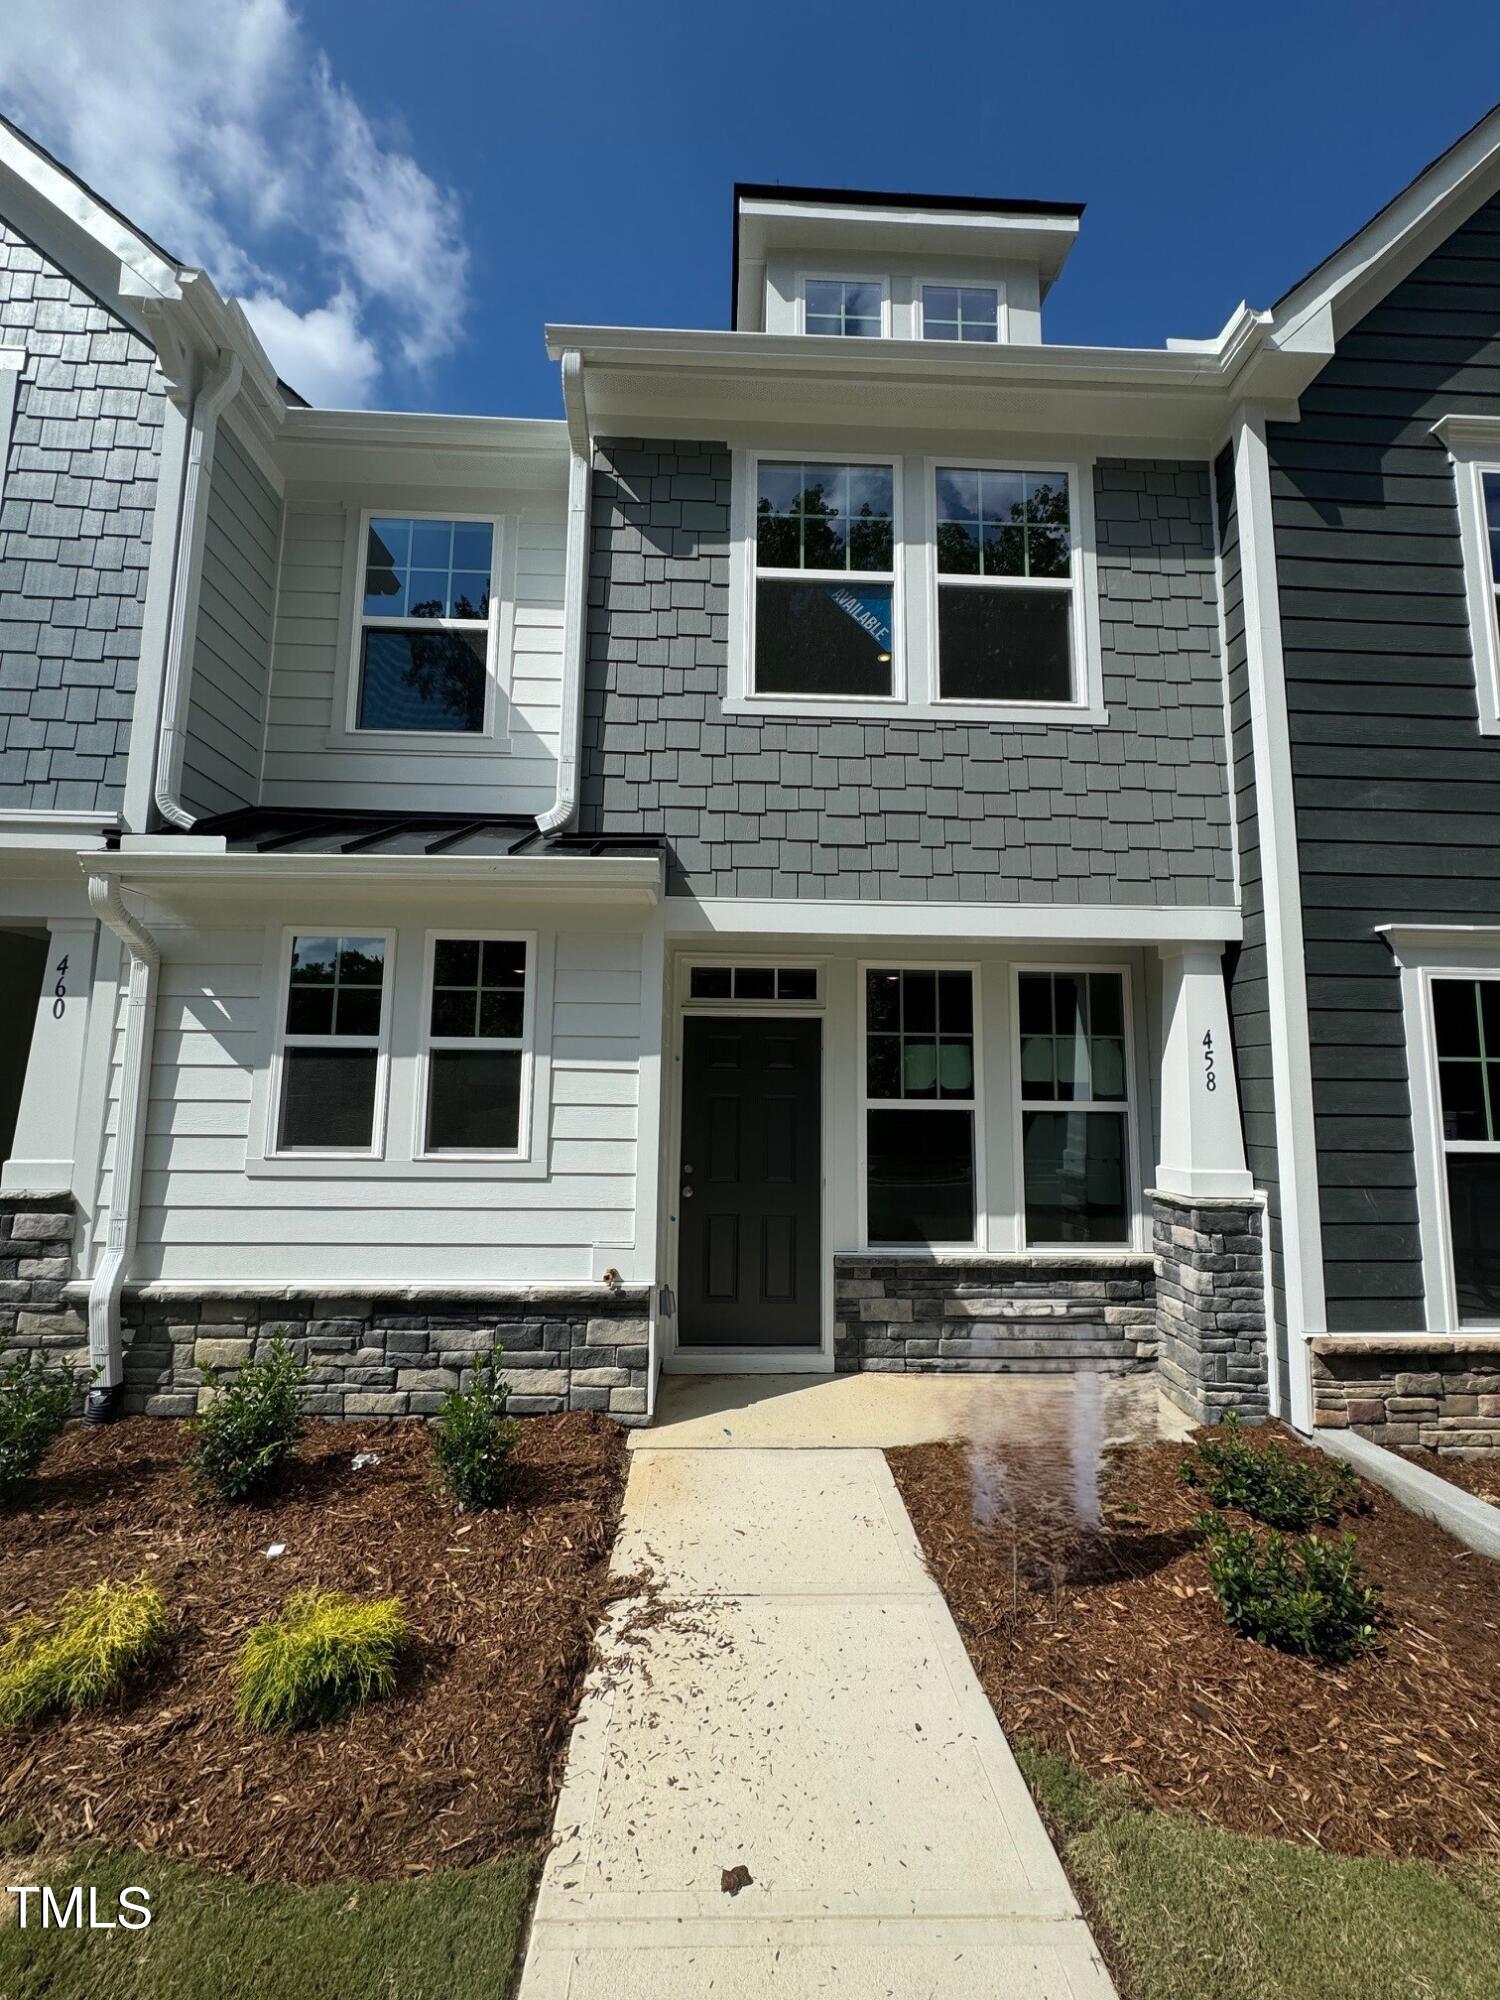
<point>82,1653</point>
<point>325,1654</point>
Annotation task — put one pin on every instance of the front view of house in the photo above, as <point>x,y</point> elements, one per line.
<point>790,868</point>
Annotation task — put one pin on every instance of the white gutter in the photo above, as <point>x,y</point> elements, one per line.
<point>576,587</point>
<point>220,390</point>
<point>105,1347</point>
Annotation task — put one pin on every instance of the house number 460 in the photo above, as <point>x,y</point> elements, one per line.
<point>1210,1081</point>
<point>60,990</point>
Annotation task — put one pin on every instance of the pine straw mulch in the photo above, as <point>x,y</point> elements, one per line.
<point>1479,1475</point>
<point>459,1767</point>
<point>1110,1649</point>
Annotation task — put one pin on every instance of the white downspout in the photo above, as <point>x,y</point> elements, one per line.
<point>576,601</point>
<point>220,390</point>
<point>144,955</point>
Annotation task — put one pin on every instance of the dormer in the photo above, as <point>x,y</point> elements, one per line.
<point>841,263</point>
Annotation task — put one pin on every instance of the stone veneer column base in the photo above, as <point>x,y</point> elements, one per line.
<point>1441,1393</point>
<point>1210,1306</point>
<point>993,1315</point>
<point>36,1262</point>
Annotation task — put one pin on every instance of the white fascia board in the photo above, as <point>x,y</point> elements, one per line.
<point>807,917</point>
<point>427,449</point>
<point>73,204</point>
<point>612,878</point>
<point>1391,245</point>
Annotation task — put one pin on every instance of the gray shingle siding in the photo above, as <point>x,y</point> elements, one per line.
<point>1397,794</point>
<point>75,536</point>
<point>905,809</point>
<point>1249,1014</point>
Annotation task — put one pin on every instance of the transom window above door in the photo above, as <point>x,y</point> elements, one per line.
<point>825,578</point>
<point>851,307</point>
<point>423,639</point>
<point>1005,584</point>
<point>788,983</point>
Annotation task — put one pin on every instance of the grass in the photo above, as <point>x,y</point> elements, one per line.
<point>214,1938</point>
<point>325,1654</point>
<point>1195,1913</point>
<point>83,1653</point>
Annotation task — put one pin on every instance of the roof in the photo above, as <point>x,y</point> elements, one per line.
<point>964,204</point>
<point>483,836</point>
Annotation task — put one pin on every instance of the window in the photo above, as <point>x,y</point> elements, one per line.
<point>476,1045</point>
<point>1466,1027</point>
<point>919,1106</point>
<point>332,1045</point>
<point>1074,1107</point>
<point>1005,586</point>
<point>825,578</point>
<point>1473,444</point>
<point>753,982</point>
<point>423,639</point>
<point>852,307</point>
<point>960,312</point>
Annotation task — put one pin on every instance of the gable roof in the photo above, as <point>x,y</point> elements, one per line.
<point>1412,225</point>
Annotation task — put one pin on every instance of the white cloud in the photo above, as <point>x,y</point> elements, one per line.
<point>221,129</point>
<point>321,352</point>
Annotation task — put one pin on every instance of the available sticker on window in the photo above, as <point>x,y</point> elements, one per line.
<point>871,612</point>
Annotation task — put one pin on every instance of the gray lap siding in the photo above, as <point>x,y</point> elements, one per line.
<point>906,809</point>
<point>1397,794</point>
<point>75,537</point>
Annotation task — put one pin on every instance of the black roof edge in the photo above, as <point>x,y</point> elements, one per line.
<point>953,204</point>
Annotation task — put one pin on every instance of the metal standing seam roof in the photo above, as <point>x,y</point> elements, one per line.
<point>486,836</point>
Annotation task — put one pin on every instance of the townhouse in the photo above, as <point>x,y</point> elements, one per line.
<point>791,867</point>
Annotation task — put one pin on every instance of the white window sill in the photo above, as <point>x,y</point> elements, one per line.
<point>420,742</point>
<point>792,708</point>
<point>359,1167</point>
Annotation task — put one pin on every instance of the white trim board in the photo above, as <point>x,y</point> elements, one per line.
<point>1473,446</point>
<point>808,917</point>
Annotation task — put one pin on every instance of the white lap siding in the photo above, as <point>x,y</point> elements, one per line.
<point>207,1217</point>
<point>309,759</point>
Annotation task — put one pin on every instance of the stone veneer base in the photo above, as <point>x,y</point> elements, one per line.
<point>1211,1305</point>
<point>1442,1394</point>
<point>994,1315</point>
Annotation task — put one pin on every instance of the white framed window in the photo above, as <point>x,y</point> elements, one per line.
<point>1009,614</point>
<point>329,1071</point>
<point>920,1157</point>
<point>845,308</point>
<point>1074,1107</point>
<point>722,982</point>
<point>426,625</point>
<point>1474,446</point>
<point>825,602</point>
<point>967,313</point>
<point>474,1070</point>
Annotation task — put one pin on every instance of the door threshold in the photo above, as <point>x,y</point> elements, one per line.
<point>747,1361</point>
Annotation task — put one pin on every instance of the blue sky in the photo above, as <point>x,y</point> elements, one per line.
<point>406,195</point>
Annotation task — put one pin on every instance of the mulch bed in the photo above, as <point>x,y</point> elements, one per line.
<point>1109,1648</point>
<point>459,1767</point>
<point>1479,1475</point>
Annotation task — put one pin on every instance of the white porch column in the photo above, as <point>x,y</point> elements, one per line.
<point>1202,1146</point>
<point>41,1154</point>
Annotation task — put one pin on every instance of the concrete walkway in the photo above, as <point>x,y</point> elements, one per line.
<point>803,1708</point>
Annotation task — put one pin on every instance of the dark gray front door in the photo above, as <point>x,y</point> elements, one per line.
<point>750,1192</point>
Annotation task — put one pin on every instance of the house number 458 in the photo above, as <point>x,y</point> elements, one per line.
<point>1210,1081</point>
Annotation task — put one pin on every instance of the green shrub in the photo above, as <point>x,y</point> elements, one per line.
<point>324,1655</point>
<point>473,1438</point>
<point>35,1403</point>
<point>251,1428</point>
<point>82,1653</point>
<point>1266,1482</point>
<point>1306,1596</point>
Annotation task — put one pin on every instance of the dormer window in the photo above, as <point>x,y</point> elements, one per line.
<point>424,636</point>
<point>961,312</point>
<point>853,307</point>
